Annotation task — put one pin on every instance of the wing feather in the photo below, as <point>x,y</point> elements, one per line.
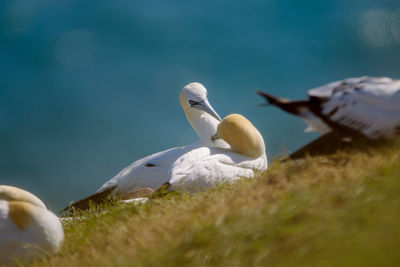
<point>204,167</point>
<point>152,171</point>
<point>368,105</point>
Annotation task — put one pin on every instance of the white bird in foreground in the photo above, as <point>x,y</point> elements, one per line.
<point>27,229</point>
<point>208,161</point>
<point>366,105</point>
<point>205,166</point>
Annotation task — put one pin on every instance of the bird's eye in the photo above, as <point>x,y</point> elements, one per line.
<point>193,103</point>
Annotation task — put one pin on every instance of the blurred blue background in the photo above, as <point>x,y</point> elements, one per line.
<point>87,87</point>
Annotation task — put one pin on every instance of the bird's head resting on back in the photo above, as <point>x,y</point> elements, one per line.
<point>200,114</point>
<point>242,136</point>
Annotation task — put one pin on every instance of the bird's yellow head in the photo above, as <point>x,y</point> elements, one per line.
<point>22,205</point>
<point>241,135</point>
<point>11,193</point>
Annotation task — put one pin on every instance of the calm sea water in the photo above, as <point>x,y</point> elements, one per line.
<point>87,87</point>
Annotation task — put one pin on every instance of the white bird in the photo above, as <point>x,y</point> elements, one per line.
<point>154,170</point>
<point>208,161</point>
<point>366,106</point>
<point>27,229</point>
<point>204,166</point>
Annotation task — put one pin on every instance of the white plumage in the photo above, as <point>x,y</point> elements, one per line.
<point>27,229</point>
<point>366,105</point>
<point>203,167</point>
<point>202,164</point>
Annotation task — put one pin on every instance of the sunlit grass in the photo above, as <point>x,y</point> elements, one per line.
<point>342,210</point>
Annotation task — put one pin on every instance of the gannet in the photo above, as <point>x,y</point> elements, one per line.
<point>27,229</point>
<point>209,159</point>
<point>154,170</point>
<point>364,106</point>
<point>207,166</point>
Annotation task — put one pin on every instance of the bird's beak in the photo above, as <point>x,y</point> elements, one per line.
<point>206,107</point>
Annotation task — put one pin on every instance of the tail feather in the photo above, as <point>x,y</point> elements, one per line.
<point>85,204</point>
<point>292,107</point>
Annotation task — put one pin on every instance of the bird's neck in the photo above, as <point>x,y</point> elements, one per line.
<point>205,127</point>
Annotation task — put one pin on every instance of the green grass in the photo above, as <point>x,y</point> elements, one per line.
<point>342,210</point>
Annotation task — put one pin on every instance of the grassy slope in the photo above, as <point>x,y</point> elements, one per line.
<point>330,211</point>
